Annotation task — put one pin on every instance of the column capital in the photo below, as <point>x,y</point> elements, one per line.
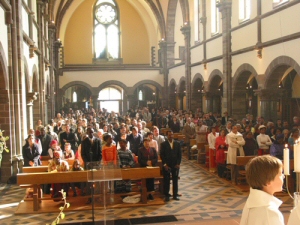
<point>266,94</point>
<point>30,97</point>
<point>185,29</point>
<point>224,4</point>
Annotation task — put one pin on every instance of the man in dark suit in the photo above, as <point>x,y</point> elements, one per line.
<point>91,148</point>
<point>170,154</point>
<point>91,152</point>
<point>69,137</point>
<point>225,118</point>
<point>136,140</point>
<point>45,141</point>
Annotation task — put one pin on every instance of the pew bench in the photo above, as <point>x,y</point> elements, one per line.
<point>35,179</point>
<point>241,162</point>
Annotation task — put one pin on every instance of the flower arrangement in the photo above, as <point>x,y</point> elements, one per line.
<point>3,146</point>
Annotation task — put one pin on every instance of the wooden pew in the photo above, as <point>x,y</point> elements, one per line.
<point>242,161</point>
<point>36,179</point>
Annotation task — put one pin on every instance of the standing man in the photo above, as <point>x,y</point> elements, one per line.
<point>170,153</point>
<point>45,140</point>
<point>91,151</point>
<point>67,137</point>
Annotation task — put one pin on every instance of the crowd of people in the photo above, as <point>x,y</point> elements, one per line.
<point>88,135</point>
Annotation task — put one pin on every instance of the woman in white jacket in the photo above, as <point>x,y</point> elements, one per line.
<point>235,143</point>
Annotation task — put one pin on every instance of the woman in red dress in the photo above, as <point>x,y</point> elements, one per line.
<point>221,147</point>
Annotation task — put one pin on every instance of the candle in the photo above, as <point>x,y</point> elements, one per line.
<point>297,157</point>
<point>286,160</point>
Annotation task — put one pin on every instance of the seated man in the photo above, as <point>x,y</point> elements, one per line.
<point>58,165</point>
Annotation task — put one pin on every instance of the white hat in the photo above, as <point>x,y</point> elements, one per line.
<point>261,127</point>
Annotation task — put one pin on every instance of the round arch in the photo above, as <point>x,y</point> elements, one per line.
<point>74,83</point>
<point>215,73</point>
<point>182,79</point>
<point>245,82</point>
<point>35,80</point>
<point>172,93</point>
<point>196,77</point>
<point>244,68</point>
<point>279,64</point>
<point>112,82</point>
<point>157,85</point>
<point>172,81</point>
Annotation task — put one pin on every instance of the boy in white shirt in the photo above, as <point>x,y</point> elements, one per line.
<point>264,175</point>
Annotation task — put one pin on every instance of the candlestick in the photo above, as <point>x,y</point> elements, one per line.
<point>286,161</point>
<point>297,157</point>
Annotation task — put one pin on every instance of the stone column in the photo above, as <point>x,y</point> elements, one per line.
<point>53,90</point>
<point>16,73</point>
<point>59,93</point>
<point>225,9</point>
<point>186,31</point>
<point>270,103</point>
<point>164,64</point>
<point>41,44</point>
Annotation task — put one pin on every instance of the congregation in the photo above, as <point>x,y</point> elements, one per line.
<point>75,134</point>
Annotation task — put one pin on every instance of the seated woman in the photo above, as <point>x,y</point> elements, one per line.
<point>77,167</point>
<point>31,152</point>
<point>58,165</point>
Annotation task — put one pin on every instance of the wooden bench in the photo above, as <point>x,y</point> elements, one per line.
<point>37,178</point>
<point>241,162</point>
<point>193,152</point>
<point>45,160</point>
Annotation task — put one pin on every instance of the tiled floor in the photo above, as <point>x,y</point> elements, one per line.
<point>206,199</point>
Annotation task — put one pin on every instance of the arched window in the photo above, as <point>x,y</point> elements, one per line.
<point>106,30</point>
<point>244,10</point>
<point>140,95</point>
<point>110,99</point>
<point>215,17</point>
<point>74,96</point>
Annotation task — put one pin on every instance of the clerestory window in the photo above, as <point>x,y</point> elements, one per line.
<point>215,17</point>
<point>244,10</point>
<point>106,30</point>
